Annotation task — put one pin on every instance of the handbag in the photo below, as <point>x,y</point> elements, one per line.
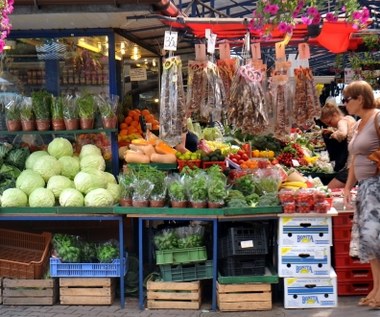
<point>375,155</point>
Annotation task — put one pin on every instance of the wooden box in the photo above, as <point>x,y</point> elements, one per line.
<point>29,292</point>
<point>173,295</point>
<point>243,297</point>
<point>86,291</point>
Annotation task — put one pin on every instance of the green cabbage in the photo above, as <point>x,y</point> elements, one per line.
<point>92,161</point>
<point>71,197</point>
<point>109,178</point>
<point>70,166</point>
<point>60,147</point>
<point>89,149</point>
<point>115,191</point>
<point>47,166</point>
<point>32,158</point>
<point>14,197</point>
<point>58,183</point>
<point>86,182</point>
<point>41,197</point>
<point>29,180</point>
<point>98,198</point>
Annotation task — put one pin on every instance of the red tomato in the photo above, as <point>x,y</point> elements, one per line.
<point>240,152</point>
<point>244,157</point>
<point>234,160</point>
<point>241,161</point>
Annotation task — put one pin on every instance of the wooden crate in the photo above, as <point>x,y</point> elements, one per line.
<point>29,292</point>
<point>86,291</point>
<point>242,297</point>
<point>173,295</point>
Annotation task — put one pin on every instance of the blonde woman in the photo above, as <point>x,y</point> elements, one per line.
<point>336,140</point>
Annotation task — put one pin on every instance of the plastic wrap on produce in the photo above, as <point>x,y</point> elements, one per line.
<point>247,105</point>
<point>227,69</point>
<point>172,106</point>
<point>196,86</point>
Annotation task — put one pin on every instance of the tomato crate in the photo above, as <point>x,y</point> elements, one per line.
<point>61,269</point>
<point>342,232</point>
<point>181,256</point>
<point>341,247</point>
<point>346,261</point>
<point>356,288</point>
<point>343,219</point>
<point>243,265</point>
<point>186,272</point>
<point>243,241</point>
<point>354,275</point>
<point>207,164</point>
<point>190,163</point>
<point>24,255</point>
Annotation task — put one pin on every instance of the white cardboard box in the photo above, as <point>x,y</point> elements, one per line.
<point>297,261</point>
<point>311,292</point>
<point>305,231</point>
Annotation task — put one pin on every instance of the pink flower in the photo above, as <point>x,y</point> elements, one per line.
<point>267,8</point>
<point>343,8</point>
<point>313,11</point>
<point>282,27</point>
<point>356,15</point>
<point>274,9</point>
<point>330,17</point>
<point>316,19</point>
<point>306,20</point>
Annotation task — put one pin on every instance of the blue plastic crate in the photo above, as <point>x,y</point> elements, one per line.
<point>59,269</point>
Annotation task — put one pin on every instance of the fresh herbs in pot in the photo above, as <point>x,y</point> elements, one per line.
<point>42,101</point>
<point>26,109</point>
<point>217,191</point>
<point>198,187</point>
<point>176,190</point>
<point>86,106</point>
<point>57,108</point>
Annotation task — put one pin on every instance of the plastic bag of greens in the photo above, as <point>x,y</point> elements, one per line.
<point>166,239</point>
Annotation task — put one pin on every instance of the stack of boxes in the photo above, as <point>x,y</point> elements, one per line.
<point>354,278</point>
<point>305,261</point>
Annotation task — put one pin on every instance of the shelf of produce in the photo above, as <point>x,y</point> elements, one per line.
<point>270,277</point>
<point>169,211</point>
<point>50,132</point>
<point>51,214</point>
<point>159,166</point>
<point>80,211</point>
<point>331,212</point>
<point>252,210</point>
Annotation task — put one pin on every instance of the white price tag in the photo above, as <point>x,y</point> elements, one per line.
<point>246,244</point>
<point>211,44</point>
<point>170,41</point>
<point>295,163</point>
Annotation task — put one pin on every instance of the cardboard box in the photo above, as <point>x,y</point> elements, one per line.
<point>304,261</point>
<point>305,231</point>
<point>311,292</point>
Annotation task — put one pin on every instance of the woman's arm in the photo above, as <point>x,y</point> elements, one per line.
<point>181,147</point>
<point>351,181</point>
<point>342,131</point>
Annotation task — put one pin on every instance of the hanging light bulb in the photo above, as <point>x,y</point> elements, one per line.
<point>154,63</point>
<point>135,53</point>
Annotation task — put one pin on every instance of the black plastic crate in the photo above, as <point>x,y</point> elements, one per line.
<point>243,241</point>
<point>243,265</point>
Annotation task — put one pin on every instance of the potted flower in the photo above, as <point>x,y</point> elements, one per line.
<point>70,113</point>
<point>26,114</point>
<point>41,101</point>
<point>86,108</point>
<point>177,193</point>
<point>12,115</point>
<point>57,114</point>
<point>108,109</point>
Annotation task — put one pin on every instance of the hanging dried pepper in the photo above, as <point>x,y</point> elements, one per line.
<point>172,102</point>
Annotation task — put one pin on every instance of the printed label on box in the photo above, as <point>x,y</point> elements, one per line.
<point>246,244</point>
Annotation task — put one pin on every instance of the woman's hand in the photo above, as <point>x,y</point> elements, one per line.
<point>347,199</point>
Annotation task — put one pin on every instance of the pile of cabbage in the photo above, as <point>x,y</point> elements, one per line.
<point>57,177</point>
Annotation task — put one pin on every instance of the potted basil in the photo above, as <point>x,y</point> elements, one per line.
<point>177,193</point>
<point>198,186</point>
<point>107,106</point>
<point>86,108</point>
<point>126,182</point>
<point>41,101</point>
<point>57,114</point>
<point>70,113</point>
<point>158,194</point>
<point>28,122</point>
<point>12,114</point>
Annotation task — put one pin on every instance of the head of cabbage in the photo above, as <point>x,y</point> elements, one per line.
<point>86,182</point>
<point>41,197</point>
<point>98,198</point>
<point>14,197</point>
<point>58,183</point>
<point>60,147</point>
<point>29,180</point>
<point>47,166</point>
<point>70,166</point>
<point>89,149</point>
<point>71,197</point>
<point>33,157</point>
<point>92,161</point>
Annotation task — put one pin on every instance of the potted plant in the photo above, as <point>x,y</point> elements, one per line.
<point>26,114</point>
<point>41,101</point>
<point>126,182</point>
<point>70,113</point>
<point>158,194</point>
<point>86,108</point>
<point>108,108</point>
<point>177,193</point>
<point>57,114</point>
<point>12,115</point>
<point>198,190</point>
<point>142,189</point>
<point>217,192</point>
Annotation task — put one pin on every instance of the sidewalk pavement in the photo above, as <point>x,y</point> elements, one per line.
<point>346,308</point>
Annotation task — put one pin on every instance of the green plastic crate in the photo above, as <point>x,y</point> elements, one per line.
<point>186,272</point>
<point>181,256</point>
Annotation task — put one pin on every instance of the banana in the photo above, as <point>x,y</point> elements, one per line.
<point>294,184</point>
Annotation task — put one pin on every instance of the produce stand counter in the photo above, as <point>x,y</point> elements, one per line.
<point>71,214</point>
<point>201,214</point>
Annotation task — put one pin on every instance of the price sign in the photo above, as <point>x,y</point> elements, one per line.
<point>200,52</point>
<point>304,51</point>
<point>256,51</point>
<point>170,41</point>
<point>224,50</point>
<point>280,50</point>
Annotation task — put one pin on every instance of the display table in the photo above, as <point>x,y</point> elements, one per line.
<point>71,214</point>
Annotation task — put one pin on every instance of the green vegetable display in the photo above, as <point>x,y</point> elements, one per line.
<point>67,247</point>
<point>166,240</point>
<point>42,101</point>
<point>86,106</point>
<point>107,252</point>
<point>245,184</point>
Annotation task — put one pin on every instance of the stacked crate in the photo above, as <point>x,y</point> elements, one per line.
<point>354,278</point>
<point>305,261</point>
